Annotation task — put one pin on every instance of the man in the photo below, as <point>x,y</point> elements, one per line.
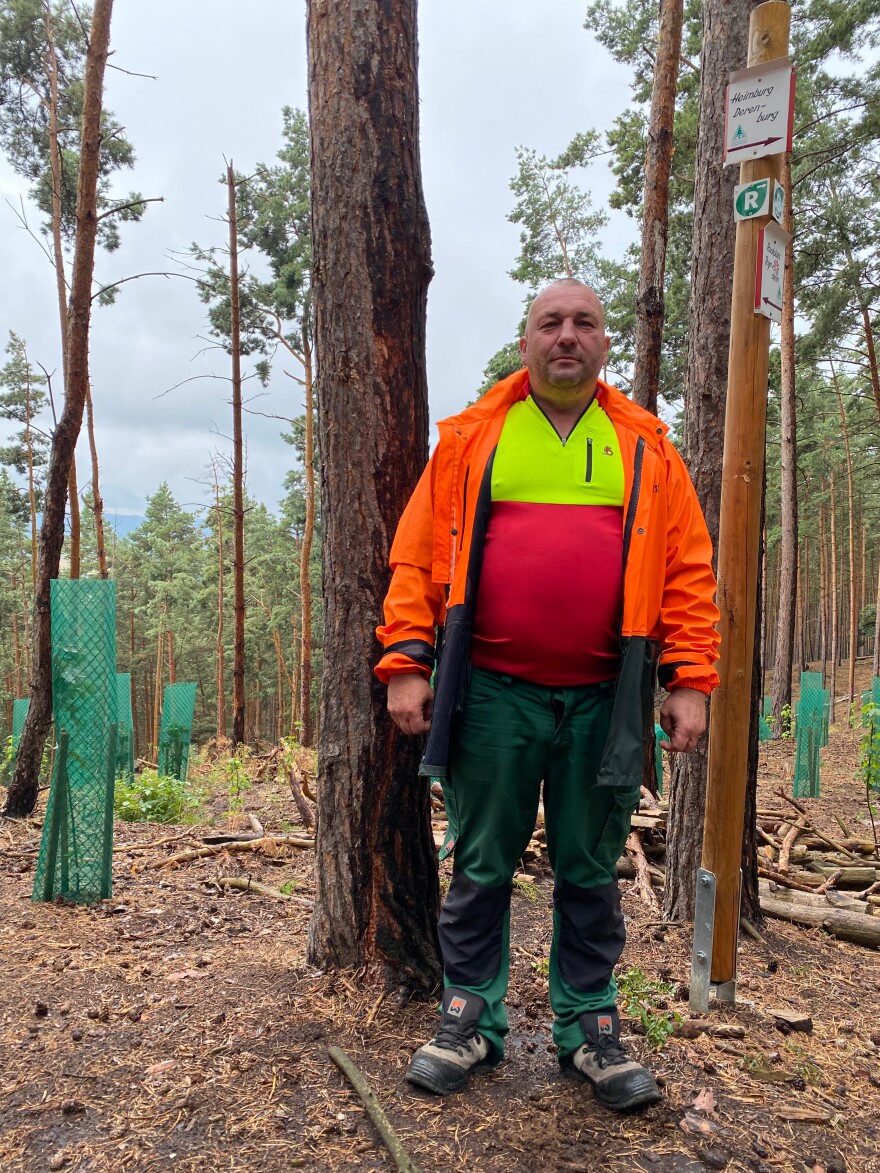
<point>556,542</point>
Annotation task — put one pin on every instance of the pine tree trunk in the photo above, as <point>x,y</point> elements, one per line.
<point>875,663</point>
<point>238,603</point>
<point>835,625</point>
<point>221,666</point>
<point>788,505</point>
<point>655,228</point>
<point>725,48</point>
<point>823,593</point>
<point>377,897</point>
<point>305,582</point>
<point>157,688</point>
<point>22,794</point>
<point>97,499</point>
<point>853,599</point>
<point>60,278</point>
<point>32,493</point>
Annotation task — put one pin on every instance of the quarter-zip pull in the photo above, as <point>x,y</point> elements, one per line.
<point>589,473</point>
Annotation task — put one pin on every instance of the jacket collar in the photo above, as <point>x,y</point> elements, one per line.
<point>515,387</point>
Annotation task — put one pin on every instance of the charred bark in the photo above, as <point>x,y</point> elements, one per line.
<point>377,894</point>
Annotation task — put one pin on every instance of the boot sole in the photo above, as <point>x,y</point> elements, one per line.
<point>639,1097</point>
<point>424,1074</point>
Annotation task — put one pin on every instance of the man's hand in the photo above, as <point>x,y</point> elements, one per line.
<point>410,702</point>
<point>683,719</point>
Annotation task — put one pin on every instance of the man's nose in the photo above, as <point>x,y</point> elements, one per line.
<point>567,332</point>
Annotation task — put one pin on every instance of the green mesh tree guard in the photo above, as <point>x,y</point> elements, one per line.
<point>19,712</point>
<point>76,852</point>
<point>124,727</point>
<point>811,733</point>
<point>178,707</point>
<point>765,733</point>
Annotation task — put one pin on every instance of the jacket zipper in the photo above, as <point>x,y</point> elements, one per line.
<point>589,475</point>
<point>467,473</point>
<point>633,500</point>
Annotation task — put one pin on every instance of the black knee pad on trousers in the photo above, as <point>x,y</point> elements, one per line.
<point>591,934</point>
<point>471,930</point>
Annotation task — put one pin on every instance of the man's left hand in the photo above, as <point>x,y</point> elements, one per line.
<point>683,719</point>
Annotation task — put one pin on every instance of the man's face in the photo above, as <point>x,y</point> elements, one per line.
<point>565,346</point>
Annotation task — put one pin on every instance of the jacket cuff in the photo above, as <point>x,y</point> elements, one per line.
<point>399,664</point>
<point>699,677</point>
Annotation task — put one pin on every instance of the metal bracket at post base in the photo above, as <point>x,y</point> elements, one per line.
<point>704,935</point>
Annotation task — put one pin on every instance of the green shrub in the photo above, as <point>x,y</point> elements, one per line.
<point>151,797</point>
<point>644,999</point>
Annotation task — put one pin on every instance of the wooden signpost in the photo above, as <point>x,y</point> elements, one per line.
<point>758,132</point>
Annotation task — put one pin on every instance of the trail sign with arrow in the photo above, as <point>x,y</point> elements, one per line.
<point>759,115</point>
<point>769,271</point>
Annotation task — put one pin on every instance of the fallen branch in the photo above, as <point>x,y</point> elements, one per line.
<point>250,845</point>
<point>845,925</point>
<point>787,843</point>
<point>246,884</point>
<point>400,1156</point>
<point>785,881</point>
<point>256,825</point>
<point>814,830</point>
<point>297,786</point>
<point>153,843</point>
<point>643,872</point>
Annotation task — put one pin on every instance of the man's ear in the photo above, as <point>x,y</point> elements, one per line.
<point>523,346</point>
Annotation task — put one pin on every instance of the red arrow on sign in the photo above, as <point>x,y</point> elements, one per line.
<point>761,143</point>
<point>767,301</point>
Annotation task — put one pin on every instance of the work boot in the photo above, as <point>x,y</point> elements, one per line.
<point>456,1050</point>
<point>618,1081</point>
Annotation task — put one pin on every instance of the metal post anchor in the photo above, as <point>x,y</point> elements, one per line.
<point>704,936</point>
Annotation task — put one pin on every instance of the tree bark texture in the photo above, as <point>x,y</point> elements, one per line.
<point>377,895</point>
<point>853,604</point>
<point>22,795</point>
<point>238,600</point>
<point>833,600</point>
<point>97,499</point>
<point>305,581</point>
<point>788,502</point>
<point>655,228</point>
<point>725,48</point>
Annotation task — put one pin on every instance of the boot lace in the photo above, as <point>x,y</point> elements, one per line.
<point>607,1051</point>
<point>451,1037</point>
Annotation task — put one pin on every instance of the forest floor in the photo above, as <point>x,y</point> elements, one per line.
<point>178,1026</point>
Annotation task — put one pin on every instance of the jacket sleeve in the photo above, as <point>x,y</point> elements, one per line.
<point>688,615</point>
<point>415,605</point>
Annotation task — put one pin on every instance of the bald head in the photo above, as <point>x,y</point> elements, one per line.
<point>561,284</point>
<point>565,345</point>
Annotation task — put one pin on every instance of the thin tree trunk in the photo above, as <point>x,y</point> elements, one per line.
<point>655,229</point>
<point>788,505</point>
<point>853,599</point>
<point>32,493</point>
<point>823,593</point>
<point>875,664</point>
<point>221,666</point>
<point>172,664</point>
<point>132,678</point>
<point>97,500</point>
<point>60,279</point>
<point>725,48</point>
<point>835,627</point>
<point>377,896</point>
<point>22,794</point>
<point>238,606</point>
<point>157,689</point>
<point>305,582</point>
<point>296,662</point>
<point>16,657</point>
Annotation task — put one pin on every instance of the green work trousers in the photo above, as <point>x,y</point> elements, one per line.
<point>509,737</point>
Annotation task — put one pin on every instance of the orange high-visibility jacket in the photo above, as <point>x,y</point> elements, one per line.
<point>668,611</point>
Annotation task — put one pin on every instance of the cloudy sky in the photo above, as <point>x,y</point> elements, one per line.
<point>494,74</point>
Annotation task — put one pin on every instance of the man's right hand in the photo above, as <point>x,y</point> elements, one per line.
<point>410,702</point>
